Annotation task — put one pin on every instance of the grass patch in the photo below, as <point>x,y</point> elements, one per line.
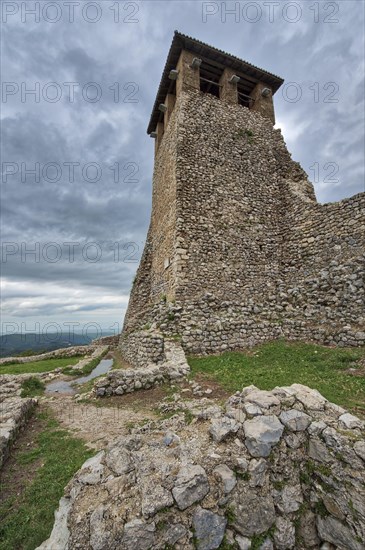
<point>32,387</point>
<point>27,520</point>
<point>258,540</point>
<point>246,476</point>
<point>281,363</point>
<point>320,509</point>
<point>230,514</point>
<point>45,365</point>
<point>119,362</point>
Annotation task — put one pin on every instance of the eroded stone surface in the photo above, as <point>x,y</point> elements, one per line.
<point>222,427</point>
<point>254,514</point>
<point>348,420</point>
<point>261,434</point>
<point>209,529</point>
<point>263,399</point>
<point>227,476</point>
<point>284,534</point>
<point>191,486</point>
<point>295,420</point>
<point>359,448</point>
<point>332,530</point>
<point>144,493</point>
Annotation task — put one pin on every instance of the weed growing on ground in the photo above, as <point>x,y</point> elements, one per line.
<point>32,387</point>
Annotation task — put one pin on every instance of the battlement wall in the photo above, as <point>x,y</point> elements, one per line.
<point>324,266</point>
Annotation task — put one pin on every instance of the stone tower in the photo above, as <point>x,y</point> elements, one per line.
<point>238,249</point>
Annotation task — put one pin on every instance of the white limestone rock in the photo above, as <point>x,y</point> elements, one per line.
<point>284,534</point>
<point>261,434</point>
<point>227,477</point>
<point>349,421</point>
<point>295,421</point>
<point>262,398</point>
<point>191,486</point>
<point>222,427</point>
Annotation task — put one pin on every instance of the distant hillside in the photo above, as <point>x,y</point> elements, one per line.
<point>16,344</point>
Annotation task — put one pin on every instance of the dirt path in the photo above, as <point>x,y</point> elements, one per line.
<point>101,423</point>
<point>98,425</point>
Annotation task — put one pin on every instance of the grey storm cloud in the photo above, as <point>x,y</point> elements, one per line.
<point>125,61</point>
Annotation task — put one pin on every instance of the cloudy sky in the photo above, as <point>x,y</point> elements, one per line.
<point>76,159</point>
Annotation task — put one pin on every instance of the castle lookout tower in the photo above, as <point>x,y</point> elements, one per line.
<point>238,250</point>
<point>193,65</point>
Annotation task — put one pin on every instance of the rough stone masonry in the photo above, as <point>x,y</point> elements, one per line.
<point>238,250</point>
<point>279,470</point>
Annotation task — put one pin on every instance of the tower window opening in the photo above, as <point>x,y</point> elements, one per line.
<point>244,90</point>
<point>209,86</point>
<point>209,82</point>
<point>245,100</point>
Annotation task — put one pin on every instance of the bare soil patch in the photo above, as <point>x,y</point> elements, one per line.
<point>357,369</point>
<point>99,423</point>
<point>207,382</point>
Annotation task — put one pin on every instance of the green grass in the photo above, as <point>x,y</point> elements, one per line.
<point>281,364</point>
<point>27,520</point>
<point>118,361</point>
<point>45,365</point>
<point>32,387</point>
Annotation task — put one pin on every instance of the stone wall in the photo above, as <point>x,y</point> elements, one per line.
<point>55,354</point>
<point>121,381</point>
<point>275,470</point>
<point>14,411</point>
<point>239,251</point>
<point>111,341</point>
<point>142,347</point>
<point>324,262</point>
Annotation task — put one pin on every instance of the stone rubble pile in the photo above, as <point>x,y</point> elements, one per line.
<point>270,470</point>
<point>111,341</point>
<point>11,384</point>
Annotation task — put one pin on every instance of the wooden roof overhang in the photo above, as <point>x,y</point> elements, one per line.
<point>214,61</point>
